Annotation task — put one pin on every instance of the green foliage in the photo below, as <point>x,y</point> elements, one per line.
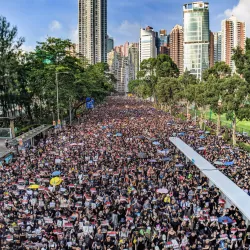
<point>235,93</point>
<point>151,70</point>
<point>167,90</point>
<point>242,60</point>
<point>9,47</point>
<point>181,116</point>
<point>132,85</point>
<point>187,83</point>
<point>165,66</point>
<point>244,146</point>
<point>28,80</point>
<point>219,70</point>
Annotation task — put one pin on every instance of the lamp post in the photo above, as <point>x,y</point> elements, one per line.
<point>219,115</point>
<point>57,95</point>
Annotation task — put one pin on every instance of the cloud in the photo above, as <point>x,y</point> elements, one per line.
<point>55,25</point>
<point>126,31</point>
<point>241,12</point>
<point>28,48</point>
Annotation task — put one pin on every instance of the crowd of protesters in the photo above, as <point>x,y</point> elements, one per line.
<point>120,184</point>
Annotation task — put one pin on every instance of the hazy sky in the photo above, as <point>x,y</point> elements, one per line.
<point>37,19</point>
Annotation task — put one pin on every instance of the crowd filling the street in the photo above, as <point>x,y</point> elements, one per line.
<point>116,182</point>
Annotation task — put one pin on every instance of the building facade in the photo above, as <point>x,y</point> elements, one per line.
<point>125,49</point>
<point>118,66</point>
<point>147,44</point>
<point>176,46</point>
<point>92,23</point>
<point>217,46</point>
<point>133,60</point>
<point>110,44</point>
<point>233,34</point>
<point>196,37</point>
<point>163,43</point>
<point>211,49</point>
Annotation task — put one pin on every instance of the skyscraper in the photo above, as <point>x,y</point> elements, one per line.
<point>233,35</point>
<point>92,22</point>
<point>110,44</point>
<point>126,48</point>
<point>118,66</point>
<point>176,46</point>
<point>217,46</point>
<point>147,45</point>
<point>196,37</point>
<point>163,43</point>
<point>211,49</point>
<point>133,60</point>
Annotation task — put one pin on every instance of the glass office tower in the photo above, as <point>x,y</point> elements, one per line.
<point>196,37</point>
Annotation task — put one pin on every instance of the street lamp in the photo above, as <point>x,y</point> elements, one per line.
<point>219,114</point>
<point>57,95</point>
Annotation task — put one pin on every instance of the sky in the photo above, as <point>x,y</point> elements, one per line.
<point>37,19</point>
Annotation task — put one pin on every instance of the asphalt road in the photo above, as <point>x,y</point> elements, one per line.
<point>2,146</point>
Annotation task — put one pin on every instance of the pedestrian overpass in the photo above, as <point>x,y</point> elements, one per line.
<point>232,194</point>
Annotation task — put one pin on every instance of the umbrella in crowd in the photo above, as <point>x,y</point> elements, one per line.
<point>228,163</point>
<point>156,143</point>
<point>34,186</point>
<point>55,181</point>
<point>56,173</point>
<point>118,134</point>
<point>225,219</point>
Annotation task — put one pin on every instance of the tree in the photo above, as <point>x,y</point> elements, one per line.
<point>198,93</point>
<point>187,81</point>
<point>28,80</point>
<point>219,70</point>
<point>235,100</point>
<point>242,60</point>
<point>213,97</point>
<point>167,91</point>
<point>76,79</point>
<point>9,52</point>
<point>213,84</point>
<point>133,84</point>
<point>154,68</point>
<point>165,66</point>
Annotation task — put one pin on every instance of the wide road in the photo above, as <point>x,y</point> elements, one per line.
<point>118,184</point>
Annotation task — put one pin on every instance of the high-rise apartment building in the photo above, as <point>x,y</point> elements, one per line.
<point>125,49</point>
<point>133,60</point>
<point>233,34</point>
<point>118,66</point>
<point>211,49</point>
<point>110,44</point>
<point>119,49</point>
<point>196,37</point>
<point>217,46</point>
<point>163,43</point>
<point>147,44</point>
<point>92,22</point>
<point>176,46</point>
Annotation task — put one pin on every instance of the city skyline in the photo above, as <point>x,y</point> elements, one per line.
<point>38,19</point>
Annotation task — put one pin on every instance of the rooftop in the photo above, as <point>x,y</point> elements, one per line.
<point>235,194</point>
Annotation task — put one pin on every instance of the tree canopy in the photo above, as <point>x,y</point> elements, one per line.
<point>242,60</point>
<point>28,80</point>
<point>151,71</point>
